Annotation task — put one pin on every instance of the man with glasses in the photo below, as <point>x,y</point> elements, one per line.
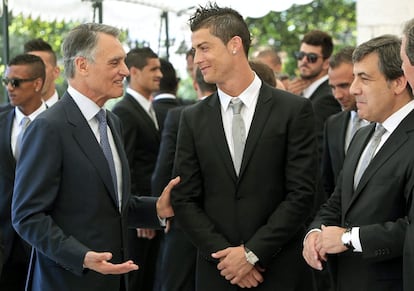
<point>313,63</point>
<point>24,78</point>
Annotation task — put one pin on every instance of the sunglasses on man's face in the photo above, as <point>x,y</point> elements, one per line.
<point>15,82</point>
<point>311,57</point>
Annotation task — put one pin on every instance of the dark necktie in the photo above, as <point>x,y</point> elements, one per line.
<point>369,153</point>
<point>238,133</point>
<point>24,123</point>
<point>106,148</point>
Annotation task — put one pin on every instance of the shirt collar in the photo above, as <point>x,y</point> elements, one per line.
<point>248,96</point>
<point>53,99</point>
<point>165,96</point>
<point>20,115</point>
<point>88,108</point>
<point>391,123</point>
<point>307,92</point>
<point>144,102</point>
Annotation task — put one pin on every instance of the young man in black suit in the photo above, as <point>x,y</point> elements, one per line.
<point>24,78</point>
<point>142,140</point>
<point>246,221</point>
<point>365,219</point>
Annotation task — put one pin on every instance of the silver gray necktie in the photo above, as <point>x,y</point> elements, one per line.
<point>106,148</point>
<point>369,153</point>
<point>153,116</point>
<point>24,123</point>
<point>355,125</point>
<point>238,133</point>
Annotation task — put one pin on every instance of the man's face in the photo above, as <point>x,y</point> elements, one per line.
<point>340,80</point>
<point>26,93</point>
<point>406,65</point>
<point>212,56</point>
<point>312,70</point>
<point>373,93</point>
<point>52,72</point>
<point>148,78</point>
<point>105,75</point>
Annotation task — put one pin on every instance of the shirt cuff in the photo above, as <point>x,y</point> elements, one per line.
<point>356,242</point>
<point>163,221</point>
<point>309,232</point>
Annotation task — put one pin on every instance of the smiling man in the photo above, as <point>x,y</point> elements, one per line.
<point>248,175</point>
<point>73,204</point>
<point>363,223</point>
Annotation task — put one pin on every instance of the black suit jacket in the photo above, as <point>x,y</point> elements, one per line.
<point>11,240</point>
<point>266,207</point>
<point>378,206</point>
<point>333,150</point>
<point>142,141</point>
<point>64,203</point>
<point>163,105</point>
<point>324,104</point>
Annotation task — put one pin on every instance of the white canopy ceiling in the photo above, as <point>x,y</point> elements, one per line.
<point>142,18</point>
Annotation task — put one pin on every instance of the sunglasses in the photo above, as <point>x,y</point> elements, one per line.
<point>311,57</point>
<point>15,82</point>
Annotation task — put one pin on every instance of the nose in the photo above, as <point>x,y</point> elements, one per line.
<point>354,88</point>
<point>124,70</point>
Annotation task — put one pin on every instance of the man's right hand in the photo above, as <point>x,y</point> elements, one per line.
<point>99,262</point>
<point>310,252</point>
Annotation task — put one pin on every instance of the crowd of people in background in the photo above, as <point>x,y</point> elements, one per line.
<point>265,181</point>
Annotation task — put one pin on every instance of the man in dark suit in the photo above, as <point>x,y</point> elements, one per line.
<point>166,97</point>
<point>176,249</point>
<point>313,61</point>
<point>142,141</point>
<point>42,49</point>
<point>73,205</point>
<point>365,219</point>
<point>245,221</point>
<point>407,56</point>
<point>340,127</point>
<point>24,79</point>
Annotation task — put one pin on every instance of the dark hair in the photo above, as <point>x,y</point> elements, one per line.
<point>388,49</point>
<point>39,44</point>
<point>224,23</point>
<point>319,38</point>
<point>342,56</point>
<point>35,64</point>
<point>138,58</point>
<point>409,35</point>
<point>264,72</point>
<point>169,80</point>
<point>202,84</point>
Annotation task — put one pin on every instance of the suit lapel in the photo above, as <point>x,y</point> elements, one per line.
<point>146,118</point>
<point>81,133</point>
<point>6,125</point>
<point>122,156</point>
<point>218,136</point>
<point>261,115</point>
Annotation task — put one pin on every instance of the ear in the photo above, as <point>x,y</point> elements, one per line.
<point>82,65</point>
<point>325,64</point>
<point>235,45</point>
<point>38,84</point>
<point>400,84</point>
<point>56,72</point>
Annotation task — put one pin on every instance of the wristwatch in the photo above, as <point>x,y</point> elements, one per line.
<point>250,256</point>
<point>347,238</point>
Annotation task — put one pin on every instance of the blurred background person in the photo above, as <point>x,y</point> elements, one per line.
<point>42,49</point>
<point>24,78</point>
<point>141,140</point>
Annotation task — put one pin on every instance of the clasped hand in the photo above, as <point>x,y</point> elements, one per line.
<point>234,267</point>
<point>319,244</point>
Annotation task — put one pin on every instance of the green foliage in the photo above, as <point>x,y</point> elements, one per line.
<point>284,30</point>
